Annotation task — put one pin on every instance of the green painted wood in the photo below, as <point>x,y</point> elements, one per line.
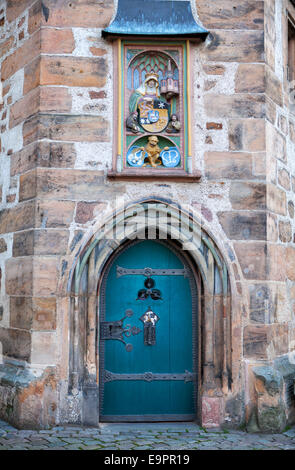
<point>174,337</point>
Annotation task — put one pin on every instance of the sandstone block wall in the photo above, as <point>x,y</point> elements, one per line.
<point>57,145</point>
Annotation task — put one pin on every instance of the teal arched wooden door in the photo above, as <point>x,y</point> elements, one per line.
<point>148,336</point>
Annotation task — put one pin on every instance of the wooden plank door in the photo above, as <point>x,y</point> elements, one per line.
<point>148,337</point>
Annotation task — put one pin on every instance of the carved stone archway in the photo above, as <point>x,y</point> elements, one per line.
<point>163,220</point>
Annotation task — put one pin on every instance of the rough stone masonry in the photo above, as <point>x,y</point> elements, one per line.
<point>56,148</point>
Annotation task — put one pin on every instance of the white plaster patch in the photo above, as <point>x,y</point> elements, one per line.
<point>83,104</point>
<point>16,85</point>
<point>44,348</point>
<point>279,65</point>
<point>96,156</point>
<point>4,173</point>
<point>83,42</point>
<point>4,299</point>
<point>13,138</point>
<point>226,83</point>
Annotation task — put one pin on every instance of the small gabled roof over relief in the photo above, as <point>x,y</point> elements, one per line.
<point>154,18</point>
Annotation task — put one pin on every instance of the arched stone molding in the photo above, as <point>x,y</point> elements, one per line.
<point>164,220</point>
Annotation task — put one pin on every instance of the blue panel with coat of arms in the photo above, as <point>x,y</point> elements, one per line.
<point>171,157</point>
<point>136,156</point>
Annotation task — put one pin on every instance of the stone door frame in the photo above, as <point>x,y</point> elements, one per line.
<point>213,280</point>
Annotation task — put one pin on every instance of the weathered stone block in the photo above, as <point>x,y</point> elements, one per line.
<point>40,242</point>
<point>276,264</point>
<point>22,56</point>
<point>21,313</point>
<point>45,276</point>
<point>57,41</point>
<point>256,341</point>
<point>233,46</point>
<point>285,231</point>
<point>28,186</point>
<point>64,127</point>
<point>86,211</point>
<point>276,144</point>
<point>240,226</point>
<point>24,108</point>
<point>248,195</point>
<point>272,228</point>
<point>55,100</point>
<point>19,276</point>
<point>6,46</point>
<point>250,78</point>
<point>284,179</point>
<point>234,106</point>
<point>54,214</point>
<point>291,209</point>
<point>33,313</point>
<point>44,313</point>
<point>68,184</point>
<point>34,19</point>
<point>73,71</point>
<point>44,347</point>
<point>247,134</point>
<point>82,13</point>
<point>43,154</point>
<point>32,75</point>
<point>245,14</point>
<point>17,218</point>
<point>273,87</point>
<point>229,165</point>
<point>15,9</point>
<point>259,164</point>
<point>3,245</point>
<point>211,412</point>
<point>262,307</point>
<point>276,200</point>
<point>252,258</point>
<point>23,243</point>
<point>270,409</point>
<point>16,343</point>
<point>290,263</point>
<point>214,69</point>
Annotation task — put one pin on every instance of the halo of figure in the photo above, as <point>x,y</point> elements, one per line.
<point>147,91</point>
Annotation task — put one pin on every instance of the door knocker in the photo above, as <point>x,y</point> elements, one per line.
<point>149,320</point>
<point>143,294</point>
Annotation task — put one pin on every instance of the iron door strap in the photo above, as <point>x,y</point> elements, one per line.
<point>148,272</point>
<point>115,330</point>
<point>148,376</point>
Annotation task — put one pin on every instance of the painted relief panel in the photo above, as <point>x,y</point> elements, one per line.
<point>153,106</point>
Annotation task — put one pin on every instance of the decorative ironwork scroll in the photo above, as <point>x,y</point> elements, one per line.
<point>143,294</point>
<point>148,272</point>
<point>148,376</point>
<point>115,330</point>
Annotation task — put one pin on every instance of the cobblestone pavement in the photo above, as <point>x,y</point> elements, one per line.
<point>174,436</point>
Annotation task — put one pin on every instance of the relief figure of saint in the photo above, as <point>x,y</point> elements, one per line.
<point>152,108</point>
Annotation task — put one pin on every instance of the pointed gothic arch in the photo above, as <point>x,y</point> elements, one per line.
<point>185,231</point>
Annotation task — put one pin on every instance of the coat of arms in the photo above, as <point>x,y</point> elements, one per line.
<point>153,115</point>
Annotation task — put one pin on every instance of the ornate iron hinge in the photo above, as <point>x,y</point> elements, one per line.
<point>148,376</point>
<point>148,272</point>
<point>115,330</point>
